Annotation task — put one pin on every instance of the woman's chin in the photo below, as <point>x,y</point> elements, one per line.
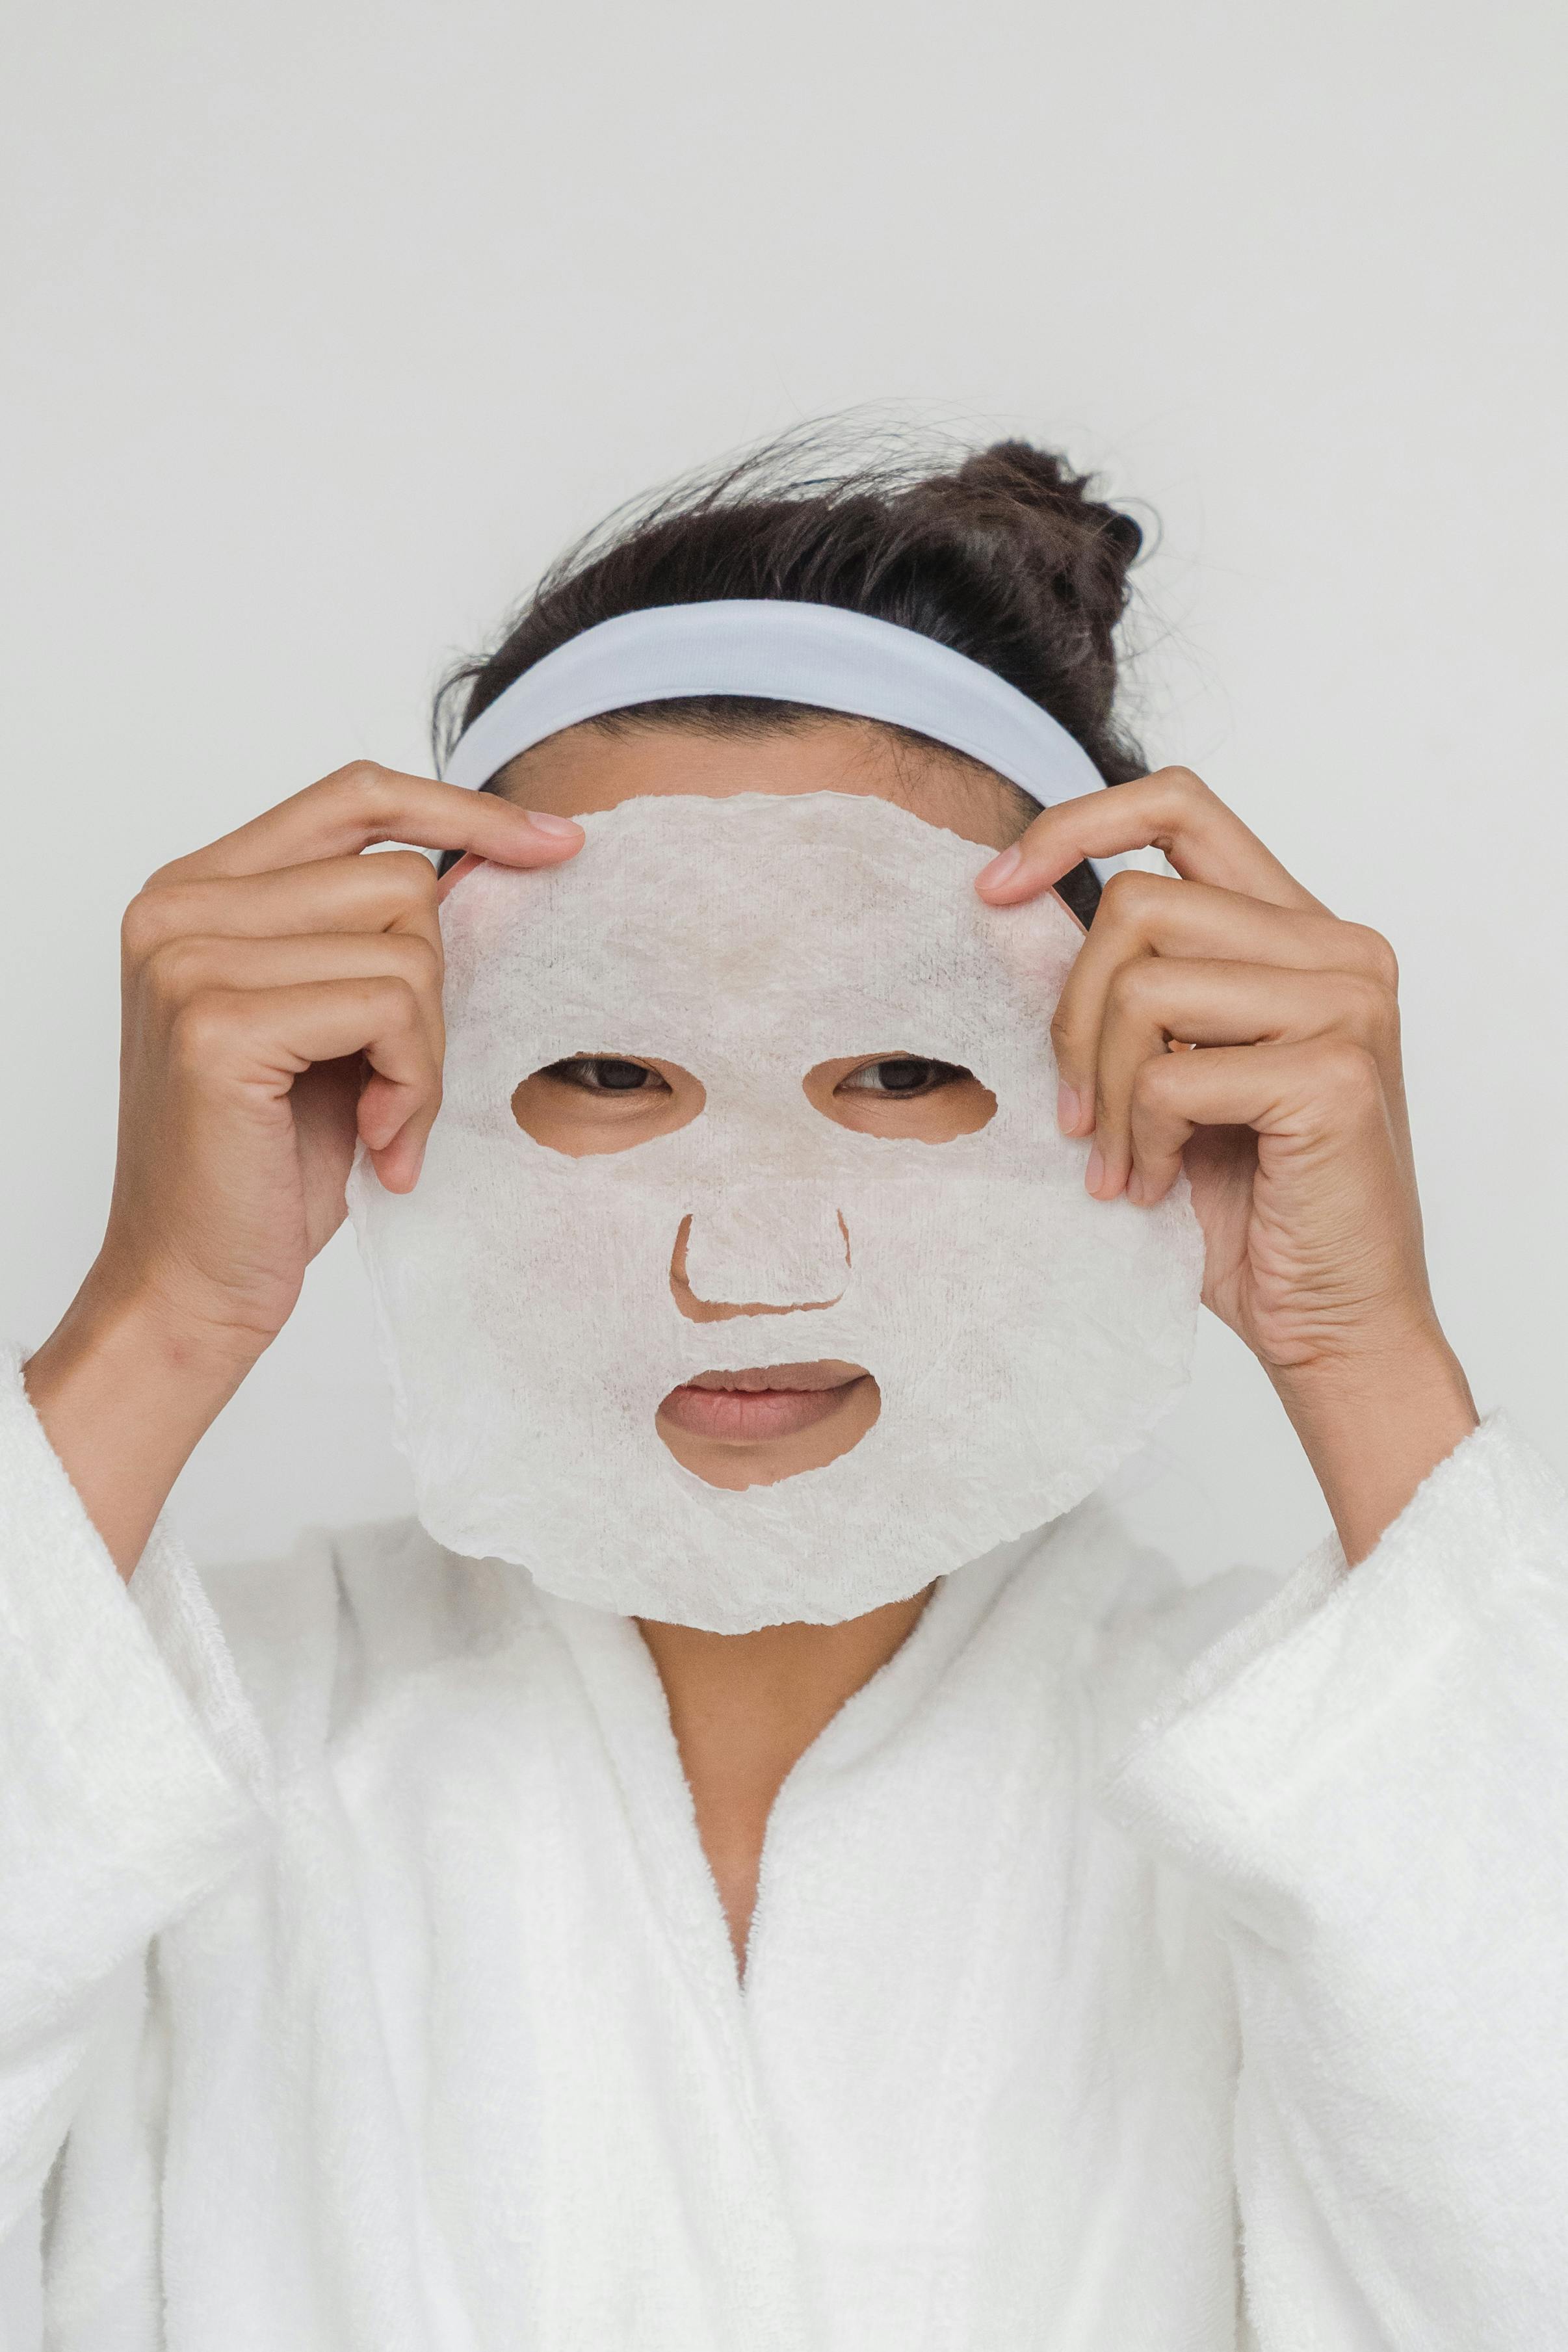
<point>735,1438</point>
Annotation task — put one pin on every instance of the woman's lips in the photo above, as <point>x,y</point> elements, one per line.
<point>772,1400</point>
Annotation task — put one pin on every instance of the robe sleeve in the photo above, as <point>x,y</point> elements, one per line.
<point>1369,1777</point>
<point>132,1776</point>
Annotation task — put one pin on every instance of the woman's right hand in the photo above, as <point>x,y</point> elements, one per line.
<point>282,997</point>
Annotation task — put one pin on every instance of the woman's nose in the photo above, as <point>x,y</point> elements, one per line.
<point>761,1250</point>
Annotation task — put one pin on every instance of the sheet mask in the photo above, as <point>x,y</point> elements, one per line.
<point>1023,1336</point>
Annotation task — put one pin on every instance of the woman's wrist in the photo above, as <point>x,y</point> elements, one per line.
<point>125,1390</point>
<point>1374,1424</point>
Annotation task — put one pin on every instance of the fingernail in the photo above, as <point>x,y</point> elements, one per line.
<point>1067,1109</point>
<point>1135,1189</point>
<point>1094,1174</point>
<point>558,827</point>
<point>1001,870</point>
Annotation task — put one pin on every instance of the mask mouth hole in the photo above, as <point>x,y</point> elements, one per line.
<point>915,1097</point>
<point>755,1428</point>
<point>599,1101</point>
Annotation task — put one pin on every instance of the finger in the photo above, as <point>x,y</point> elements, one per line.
<point>262,1039</point>
<point>1160,1000</point>
<point>1144,914</point>
<point>1314,1098</point>
<point>362,804</point>
<point>392,892</point>
<point>1173,811</point>
<point>186,966</point>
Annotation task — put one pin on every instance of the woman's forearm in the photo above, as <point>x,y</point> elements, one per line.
<point>1376,1428</point>
<point>124,1397</point>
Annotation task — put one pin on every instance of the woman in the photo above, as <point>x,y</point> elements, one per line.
<point>1128,1966</point>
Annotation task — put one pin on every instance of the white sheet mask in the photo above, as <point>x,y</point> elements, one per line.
<point>1022,1335</point>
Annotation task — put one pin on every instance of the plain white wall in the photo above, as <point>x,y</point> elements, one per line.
<point>330,322</point>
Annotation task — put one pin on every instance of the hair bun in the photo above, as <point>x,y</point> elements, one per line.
<point>1085,547</point>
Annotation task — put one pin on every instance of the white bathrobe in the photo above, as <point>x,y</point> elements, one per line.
<point>1118,1982</point>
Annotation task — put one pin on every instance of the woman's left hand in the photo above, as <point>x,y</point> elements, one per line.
<point>1290,1119</point>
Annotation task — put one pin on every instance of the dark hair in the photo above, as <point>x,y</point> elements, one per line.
<point>1003,554</point>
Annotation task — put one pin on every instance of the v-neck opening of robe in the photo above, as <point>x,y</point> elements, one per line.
<point>632,1711</point>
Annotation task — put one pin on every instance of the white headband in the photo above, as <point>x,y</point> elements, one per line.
<point>784,652</point>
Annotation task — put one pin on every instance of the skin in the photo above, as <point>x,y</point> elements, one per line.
<point>282,993</point>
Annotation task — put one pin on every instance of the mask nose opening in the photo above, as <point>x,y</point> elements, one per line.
<point>728,1263</point>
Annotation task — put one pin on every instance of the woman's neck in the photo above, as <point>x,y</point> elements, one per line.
<point>744,1708</point>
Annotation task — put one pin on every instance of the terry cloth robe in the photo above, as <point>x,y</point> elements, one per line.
<point>1134,1970</point>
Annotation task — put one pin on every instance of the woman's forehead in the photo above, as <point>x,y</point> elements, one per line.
<point>588,768</point>
<point>834,921</point>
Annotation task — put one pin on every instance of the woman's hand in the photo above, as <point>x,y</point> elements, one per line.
<point>1290,1119</point>
<point>282,997</point>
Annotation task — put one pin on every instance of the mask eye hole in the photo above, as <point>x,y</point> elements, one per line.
<point>907,1095</point>
<point>590,1103</point>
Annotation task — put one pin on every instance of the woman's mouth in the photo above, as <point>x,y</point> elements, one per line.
<point>770,1401</point>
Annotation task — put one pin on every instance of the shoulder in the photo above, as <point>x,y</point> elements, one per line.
<point>315,1635</point>
<point>1134,1593</point>
<point>1143,1622</point>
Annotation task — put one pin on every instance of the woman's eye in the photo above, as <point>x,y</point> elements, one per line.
<point>902,1076</point>
<point>605,1074</point>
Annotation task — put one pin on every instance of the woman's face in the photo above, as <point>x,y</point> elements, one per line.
<point>753,1428</point>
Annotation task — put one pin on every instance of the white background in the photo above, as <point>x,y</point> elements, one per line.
<point>328,324</point>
